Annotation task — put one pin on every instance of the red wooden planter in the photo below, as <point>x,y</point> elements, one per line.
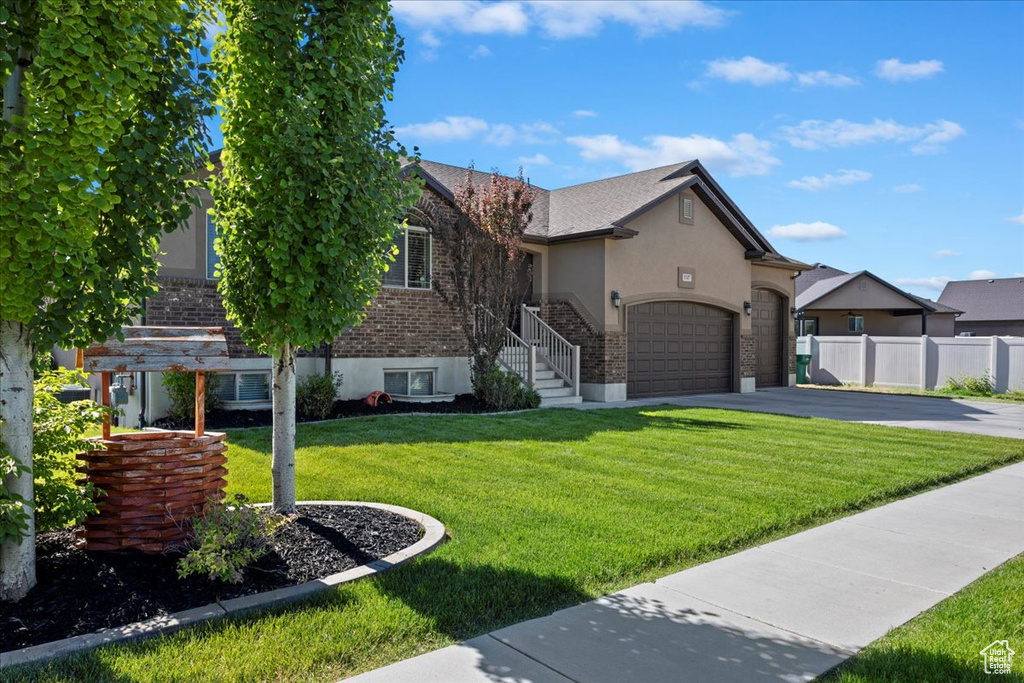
<point>155,482</point>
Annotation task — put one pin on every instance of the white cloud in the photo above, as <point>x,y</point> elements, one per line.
<point>841,177</point>
<point>584,114</point>
<point>928,138</point>
<point>555,18</point>
<point>537,159</point>
<point>748,70</point>
<point>480,52</point>
<point>429,39</point>
<point>894,70</point>
<point>947,253</point>
<point>743,155</point>
<point>982,274</point>
<point>462,128</point>
<point>808,232</point>
<point>463,16</point>
<point>578,18</point>
<point>1018,219</point>
<point>813,78</point>
<point>450,129</point>
<point>908,188</point>
<point>937,282</point>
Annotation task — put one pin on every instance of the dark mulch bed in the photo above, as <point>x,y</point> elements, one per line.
<point>80,592</point>
<point>225,419</point>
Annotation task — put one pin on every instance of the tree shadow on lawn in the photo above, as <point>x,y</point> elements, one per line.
<point>913,665</point>
<point>463,601</point>
<point>547,426</point>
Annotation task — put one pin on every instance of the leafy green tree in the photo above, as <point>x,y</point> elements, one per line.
<point>310,191</point>
<point>103,112</point>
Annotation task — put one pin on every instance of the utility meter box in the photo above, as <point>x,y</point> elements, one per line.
<point>118,395</point>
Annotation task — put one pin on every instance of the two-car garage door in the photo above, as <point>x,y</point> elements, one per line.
<point>678,347</point>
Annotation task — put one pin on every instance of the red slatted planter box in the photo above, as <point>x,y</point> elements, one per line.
<point>155,482</point>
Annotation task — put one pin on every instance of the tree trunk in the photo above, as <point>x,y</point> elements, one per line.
<point>283,463</point>
<point>17,558</point>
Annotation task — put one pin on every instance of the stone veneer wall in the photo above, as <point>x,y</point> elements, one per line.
<point>602,354</point>
<point>748,355</point>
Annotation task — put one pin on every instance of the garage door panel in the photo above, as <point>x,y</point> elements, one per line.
<point>768,324</point>
<point>677,348</point>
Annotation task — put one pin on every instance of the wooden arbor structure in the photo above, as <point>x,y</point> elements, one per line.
<point>155,480</point>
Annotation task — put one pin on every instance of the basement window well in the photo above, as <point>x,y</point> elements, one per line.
<point>413,386</point>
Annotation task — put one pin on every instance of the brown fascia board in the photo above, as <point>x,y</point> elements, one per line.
<point>616,232</point>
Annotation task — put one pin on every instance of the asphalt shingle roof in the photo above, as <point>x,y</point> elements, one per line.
<point>1001,299</point>
<point>604,205</point>
<point>817,273</point>
<point>822,280</point>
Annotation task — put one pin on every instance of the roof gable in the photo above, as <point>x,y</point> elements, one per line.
<point>819,293</point>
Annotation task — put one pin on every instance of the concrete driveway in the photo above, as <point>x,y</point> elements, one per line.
<point>917,412</point>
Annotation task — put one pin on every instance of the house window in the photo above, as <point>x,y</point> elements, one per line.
<point>810,326</point>
<point>243,386</point>
<point>409,382</point>
<point>855,323</point>
<point>212,259</point>
<point>411,268</point>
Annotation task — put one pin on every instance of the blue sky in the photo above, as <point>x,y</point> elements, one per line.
<point>865,135</point>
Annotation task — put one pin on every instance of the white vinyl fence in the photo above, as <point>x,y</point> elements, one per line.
<point>919,362</point>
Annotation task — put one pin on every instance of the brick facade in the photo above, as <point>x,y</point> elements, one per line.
<point>189,302</point>
<point>748,355</point>
<point>791,355</point>
<point>602,354</point>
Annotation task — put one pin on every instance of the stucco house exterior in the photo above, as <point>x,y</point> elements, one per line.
<point>832,302</point>
<point>990,307</point>
<point>657,276</point>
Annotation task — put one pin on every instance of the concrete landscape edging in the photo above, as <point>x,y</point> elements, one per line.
<point>433,536</point>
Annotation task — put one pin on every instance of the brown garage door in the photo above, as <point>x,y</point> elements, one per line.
<point>766,318</point>
<point>675,347</point>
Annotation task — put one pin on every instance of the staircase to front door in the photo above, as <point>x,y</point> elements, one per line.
<point>543,359</point>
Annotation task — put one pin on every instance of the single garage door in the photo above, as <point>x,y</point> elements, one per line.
<point>676,347</point>
<point>766,319</point>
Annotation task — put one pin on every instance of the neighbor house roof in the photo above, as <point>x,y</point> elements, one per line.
<point>821,280</point>
<point>1000,299</point>
<point>603,208</point>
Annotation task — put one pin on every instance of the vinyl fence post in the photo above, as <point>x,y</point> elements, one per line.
<point>994,364</point>
<point>924,362</point>
<point>864,360</point>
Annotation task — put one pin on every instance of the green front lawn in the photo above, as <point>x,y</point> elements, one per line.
<point>546,509</point>
<point>944,643</point>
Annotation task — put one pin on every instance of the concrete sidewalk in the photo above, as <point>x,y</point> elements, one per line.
<point>989,418</point>
<point>787,611</point>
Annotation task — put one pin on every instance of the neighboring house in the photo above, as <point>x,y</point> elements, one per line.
<point>832,302</point>
<point>659,278</point>
<point>991,307</point>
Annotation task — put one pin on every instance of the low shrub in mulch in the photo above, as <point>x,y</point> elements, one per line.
<point>226,419</point>
<point>81,592</point>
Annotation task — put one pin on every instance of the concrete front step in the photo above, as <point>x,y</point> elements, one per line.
<point>548,383</point>
<point>560,401</point>
<point>555,392</point>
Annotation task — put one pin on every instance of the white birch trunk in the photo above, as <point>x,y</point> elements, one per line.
<point>283,463</point>
<point>17,558</point>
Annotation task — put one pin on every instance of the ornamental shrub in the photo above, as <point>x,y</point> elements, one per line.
<point>504,391</point>
<point>57,431</point>
<point>315,395</point>
<point>181,390</point>
<point>227,539</point>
